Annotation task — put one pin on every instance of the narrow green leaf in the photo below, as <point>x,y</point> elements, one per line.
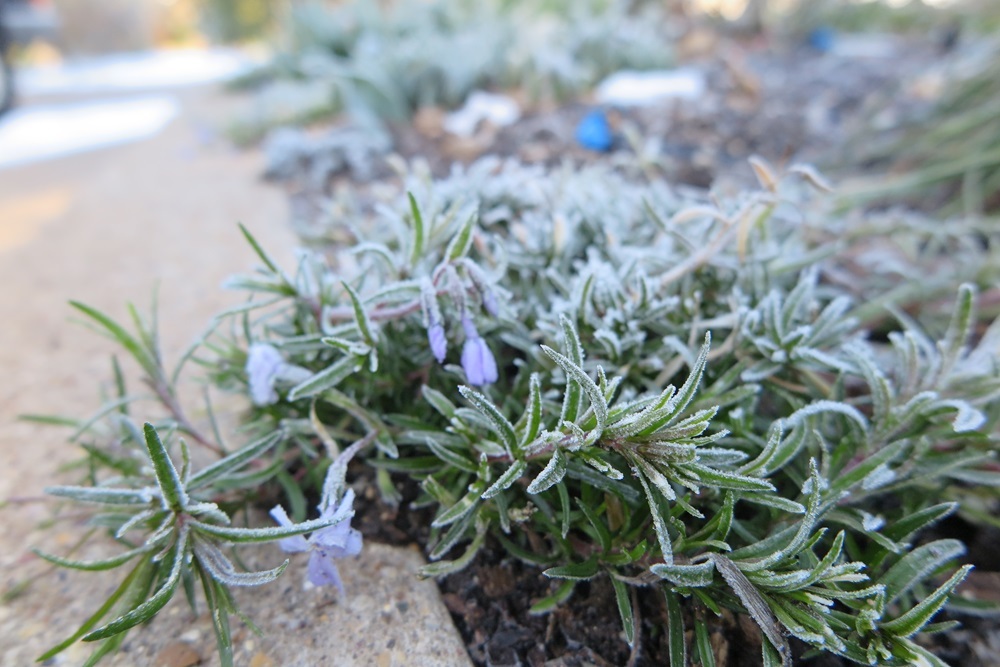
<point>675,630</point>
<point>959,328</point>
<point>141,571</point>
<point>456,533</point>
<point>534,411</point>
<point>146,358</point>
<point>726,480</point>
<point>905,527</point>
<point>361,320</point>
<point>120,391</point>
<point>802,534</point>
<point>564,507</point>
<point>770,656</point>
<point>261,253</point>
<point>754,603</point>
<point>445,567</point>
<point>926,658</point>
<point>913,620</point>
<point>419,234</point>
<point>881,391</point>
<point>574,352</point>
<point>603,534</point>
<point>551,602</point>
<point>107,647</point>
<point>267,284</point>
<point>49,420</point>
<point>775,501</point>
<point>822,407</point>
<point>469,502</point>
<point>215,596</point>
<point>860,472</point>
<point>703,642</point>
<point>578,471</point>
<point>679,401</point>
<point>223,571</point>
<point>459,245</point>
<point>978,608</point>
<point>327,378</point>
<point>92,565</point>
<point>293,492</point>
<point>553,473</point>
<point>575,571</point>
<point>438,401</point>
<point>687,576</point>
<point>658,523</point>
<point>241,535</point>
<point>97,494</point>
<point>499,423</point>
<point>511,475</point>
<point>624,609</point>
<point>600,465</point>
<point>235,461</point>
<point>174,495</point>
<point>450,456</point>
<point>917,565</point>
<point>154,604</point>
<point>577,374</point>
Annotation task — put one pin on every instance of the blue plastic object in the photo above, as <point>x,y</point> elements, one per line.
<point>594,132</point>
<point>822,39</point>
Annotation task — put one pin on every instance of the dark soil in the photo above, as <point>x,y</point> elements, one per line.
<point>490,603</point>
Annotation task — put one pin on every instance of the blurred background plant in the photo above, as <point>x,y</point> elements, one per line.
<point>943,156</point>
<point>388,60</point>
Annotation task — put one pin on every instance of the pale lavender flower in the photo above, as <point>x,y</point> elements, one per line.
<point>439,344</point>
<point>477,359</point>
<point>264,363</point>
<point>324,545</point>
<point>490,303</point>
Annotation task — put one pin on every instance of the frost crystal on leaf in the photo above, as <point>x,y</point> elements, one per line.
<point>477,359</point>
<point>324,545</point>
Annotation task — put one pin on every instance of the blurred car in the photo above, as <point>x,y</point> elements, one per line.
<point>21,22</point>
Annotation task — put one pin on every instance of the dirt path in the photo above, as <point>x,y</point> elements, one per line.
<point>105,228</point>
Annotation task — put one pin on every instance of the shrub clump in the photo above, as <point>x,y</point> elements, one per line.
<point>691,397</point>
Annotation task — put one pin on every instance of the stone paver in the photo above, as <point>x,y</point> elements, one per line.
<point>105,228</point>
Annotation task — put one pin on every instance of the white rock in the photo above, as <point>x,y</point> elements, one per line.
<point>873,46</point>
<point>500,110</point>
<point>635,89</point>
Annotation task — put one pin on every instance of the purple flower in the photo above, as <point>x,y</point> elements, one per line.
<point>477,360</point>
<point>324,545</point>
<point>490,303</point>
<point>264,363</point>
<point>439,344</point>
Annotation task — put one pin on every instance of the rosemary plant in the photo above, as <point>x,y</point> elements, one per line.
<point>606,379</point>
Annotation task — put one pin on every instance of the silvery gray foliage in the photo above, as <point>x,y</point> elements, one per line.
<point>310,161</point>
<point>608,378</point>
<point>594,293</point>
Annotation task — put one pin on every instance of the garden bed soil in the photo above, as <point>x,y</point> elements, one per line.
<point>490,603</point>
